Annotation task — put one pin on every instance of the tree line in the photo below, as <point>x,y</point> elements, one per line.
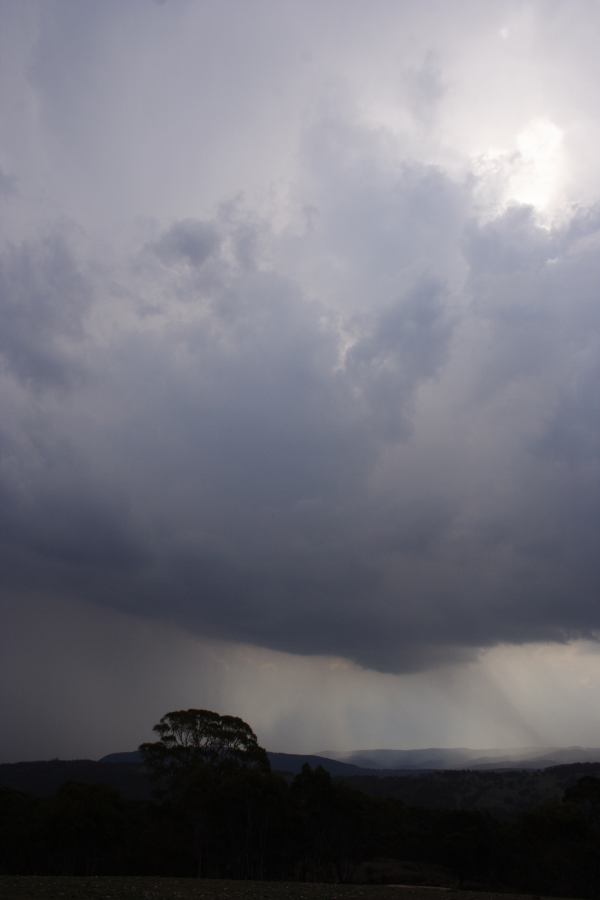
<point>218,811</point>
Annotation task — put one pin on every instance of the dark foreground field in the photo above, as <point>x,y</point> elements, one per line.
<point>107,888</point>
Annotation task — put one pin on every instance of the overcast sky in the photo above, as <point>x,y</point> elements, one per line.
<point>299,371</point>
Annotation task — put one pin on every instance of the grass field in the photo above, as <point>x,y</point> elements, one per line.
<point>106,888</point>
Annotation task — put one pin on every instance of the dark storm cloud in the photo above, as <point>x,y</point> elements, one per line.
<point>368,430</point>
<point>245,462</point>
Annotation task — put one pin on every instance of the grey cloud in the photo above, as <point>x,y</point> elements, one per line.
<point>61,532</point>
<point>408,344</point>
<point>8,183</point>
<point>190,241</point>
<point>387,221</point>
<point>425,88</point>
<point>510,243</point>
<point>43,300</point>
<point>375,438</point>
<point>243,483</point>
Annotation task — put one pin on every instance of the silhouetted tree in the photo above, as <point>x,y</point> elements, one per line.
<point>200,756</point>
<point>189,737</point>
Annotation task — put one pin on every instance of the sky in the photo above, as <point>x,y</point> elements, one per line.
<point>299,366</point>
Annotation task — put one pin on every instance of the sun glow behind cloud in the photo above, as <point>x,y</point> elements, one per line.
<point>532,172</point>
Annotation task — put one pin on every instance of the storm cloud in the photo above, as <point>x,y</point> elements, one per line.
<point>258,464</point>
<point>335,392</point>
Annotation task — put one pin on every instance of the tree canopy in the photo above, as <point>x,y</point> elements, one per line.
<point>192,737</point>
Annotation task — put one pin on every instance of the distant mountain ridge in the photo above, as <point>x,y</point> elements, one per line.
<point>391,761</point>
<point>464,758</point>
<point>290,763</point>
